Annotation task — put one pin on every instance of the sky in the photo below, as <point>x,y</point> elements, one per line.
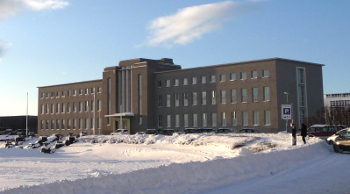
<point>49,42</point>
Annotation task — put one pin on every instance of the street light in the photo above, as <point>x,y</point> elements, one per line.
<point>286,93</point>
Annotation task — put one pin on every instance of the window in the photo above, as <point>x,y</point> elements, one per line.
<point>222,78</point>
<point>92,103</point>
<point>232,77</point>
<point>203,79</point>
<point>63,108</point>
<point>69,92</point>
<point>244,95</point>
<point>194,98</point>
<point>233,96</point>
<point>69,124</point>
<point>185,120</point>
<point>213,97</point>
<point>212,79</point>
<point>185,99</point>
<point>267,115</point>
<point>167,83</point>
<point>256,118</point>
<point>160,121</point>
<point>254,74</point>
<point>177,120</point>
<point>159,84</point>
<point>245,118</point>
<point>80,92</point>
<point>255,95</point>
<point>204,98</point>
<point>177,99</point>
<point>87,123</point>
<point>87,91</point>
<point>63,125</point>
<point>63,93</point>
<point>74,123</point>
<point>194,80</point>
<point>223,119</point>
<point>99,90</point>
<point>243,75</point>
<point>68,107</point>
<point>58,94</point>
<point>42,109</point>
<point>52,124</point>
<point>80,124</point>
<point>57,124</point>
<point>74,107</point>
<point>214,121</point>
<point>74,92</point>
<point>92,91</point>
<point>168,120</point>
<point>266,93</point>
<point>266,73</point>
<point>195,120</point>
<point>52,108</point>
<point>86,106</point>
<point>223,96</point>
<point>205,119</point>
<point>185,81</point>
<point>52,94</point>
<point>58,107</point>
<point>168,100</point>
<point>99,105</point>
<point>234,118</point>
<point>80,106</point>
<point>160,101</point>
<point>176,82</point>
<point>42,95</point>
<point>47,108</point>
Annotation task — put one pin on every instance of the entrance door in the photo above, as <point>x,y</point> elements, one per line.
<point>125,123</point>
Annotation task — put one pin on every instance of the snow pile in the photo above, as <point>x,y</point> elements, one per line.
<point>167,164</point>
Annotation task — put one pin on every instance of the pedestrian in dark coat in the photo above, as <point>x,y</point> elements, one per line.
<point>303,132</point>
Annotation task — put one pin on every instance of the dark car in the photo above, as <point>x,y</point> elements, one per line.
<point>342,142</point>
<point>168,131</point>
<point>224,130</point>
<point>190,130</point>
<point>248,130</point>
<point>151,131</point>
<point>323,130</point>
<point>206,130</point>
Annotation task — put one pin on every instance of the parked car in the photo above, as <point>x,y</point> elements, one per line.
<point>190,130</point>
<point>330,140</point>
<point>323,130</point>
<point>205,130</point>
<point>120,132</point>
<point>151,131</point>
<point>248,130</point>
<point>342,142</point>
<point>224,130</point>
<point>168,131</point>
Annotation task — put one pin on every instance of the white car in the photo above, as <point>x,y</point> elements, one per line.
<point>120,132</point>
<point>331,139</point>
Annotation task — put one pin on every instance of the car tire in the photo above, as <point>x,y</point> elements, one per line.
<point>337,149</point>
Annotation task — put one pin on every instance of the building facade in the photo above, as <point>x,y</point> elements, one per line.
<point>19,122</point>
<point>142,93</point>
<point>337,100</point>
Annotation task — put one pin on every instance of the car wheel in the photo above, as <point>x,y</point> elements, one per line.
<point>337,149</point>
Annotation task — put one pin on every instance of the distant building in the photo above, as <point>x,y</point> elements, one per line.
<point>140,94</point>
<point>19,122</point>
<point>337,100</point>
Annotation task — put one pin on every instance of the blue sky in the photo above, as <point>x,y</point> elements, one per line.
<point>47,42</point>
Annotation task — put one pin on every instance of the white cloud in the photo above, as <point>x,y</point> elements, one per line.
<point>190,23</point>
<point>3,45</point>
<point>46,4</point>
<point>11,7</point>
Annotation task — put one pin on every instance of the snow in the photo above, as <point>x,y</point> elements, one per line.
<point>191,163</point>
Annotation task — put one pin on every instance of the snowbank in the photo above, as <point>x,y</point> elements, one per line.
<point>187,177</point>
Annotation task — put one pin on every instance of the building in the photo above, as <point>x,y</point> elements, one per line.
<point>142,93</point>
<point>19,122</point>
<point>337,100</point>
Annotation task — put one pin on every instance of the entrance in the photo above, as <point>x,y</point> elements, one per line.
<point>125,123</point>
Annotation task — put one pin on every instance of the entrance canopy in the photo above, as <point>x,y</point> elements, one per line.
<point>121,114</point>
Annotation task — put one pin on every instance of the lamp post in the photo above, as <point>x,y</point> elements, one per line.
<point>286,93</point>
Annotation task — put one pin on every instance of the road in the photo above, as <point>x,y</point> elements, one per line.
<point>328,175</point>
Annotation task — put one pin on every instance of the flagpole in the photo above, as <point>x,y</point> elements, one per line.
<point>27,117</point>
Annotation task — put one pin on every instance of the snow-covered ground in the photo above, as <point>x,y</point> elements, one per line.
<point>192,163</point>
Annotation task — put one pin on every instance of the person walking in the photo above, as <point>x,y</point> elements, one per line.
<point>303,132</point>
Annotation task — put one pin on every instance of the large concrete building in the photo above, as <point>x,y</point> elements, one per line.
<point>337,100</point>
<point>142,93</point>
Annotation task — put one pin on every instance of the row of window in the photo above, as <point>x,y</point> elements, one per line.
<point>340,103</point>
<point>67,107</point>
<point>227,119</point>
<point>222,78</point>
<point>67,124</point>
<point>69,93</point>
<point>213,97</point>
